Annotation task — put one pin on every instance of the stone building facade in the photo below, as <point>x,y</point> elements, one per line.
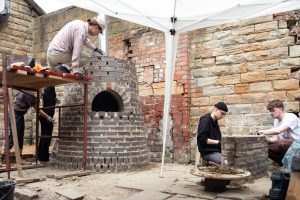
<point>245,64</point>
<point>146,48</point>
<point>16,38</point>
<point>248,152</point>
<point>28,32</point>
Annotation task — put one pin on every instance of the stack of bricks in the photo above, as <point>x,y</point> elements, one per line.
<point>246,152</point>
<point>116,141</point>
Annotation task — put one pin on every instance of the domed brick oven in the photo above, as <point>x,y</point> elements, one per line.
<point>116,138</point>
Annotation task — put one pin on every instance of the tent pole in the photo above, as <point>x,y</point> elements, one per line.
<point>171,48</point>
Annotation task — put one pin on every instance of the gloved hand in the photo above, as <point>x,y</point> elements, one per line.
<point>99,51</point>
<point>49,119</point>
<point>219,144</point>
<point>80,75</point>
<point>63,69</point>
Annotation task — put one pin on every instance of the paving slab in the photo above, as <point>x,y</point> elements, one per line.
<point>192,190</point>
<point>25,194</point>
<point>153,195</point>
<point>182,197</point>
<point>177,183</point>
<point>70,194</point>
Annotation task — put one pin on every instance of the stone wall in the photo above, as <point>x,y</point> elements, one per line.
<point>246,64</point>
<point>16,34</point>
<point>246,152</point>
<point>16,38</point>
<point>146,48</point>
<point>29,34</point>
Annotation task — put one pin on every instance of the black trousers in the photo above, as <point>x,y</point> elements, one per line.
<point>43,147</point>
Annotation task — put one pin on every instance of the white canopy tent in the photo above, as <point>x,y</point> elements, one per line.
<point>177,16</point>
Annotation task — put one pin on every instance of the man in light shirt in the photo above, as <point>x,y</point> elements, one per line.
<point>65,50</point>
<point>286,129</point>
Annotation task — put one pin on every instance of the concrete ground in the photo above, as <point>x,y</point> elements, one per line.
<point>143,184</point>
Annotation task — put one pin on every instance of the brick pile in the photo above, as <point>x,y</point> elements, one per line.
<point>246,152</point>
<point>116,141</point>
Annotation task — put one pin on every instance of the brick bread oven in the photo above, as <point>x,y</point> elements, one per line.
<point>116,137</point>
<point>246,152</point>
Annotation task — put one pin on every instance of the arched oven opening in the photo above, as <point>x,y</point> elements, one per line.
<point>108,101</point>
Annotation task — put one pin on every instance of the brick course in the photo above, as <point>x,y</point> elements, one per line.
<point>116,141</point>
<point>246,152</point>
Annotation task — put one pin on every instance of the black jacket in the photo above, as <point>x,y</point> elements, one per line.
<point>208,128</point>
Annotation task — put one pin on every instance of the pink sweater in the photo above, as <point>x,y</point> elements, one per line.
<point>71,38</point>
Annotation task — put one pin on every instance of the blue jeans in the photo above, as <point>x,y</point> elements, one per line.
<point>20,125</point>
<point>215,157</point>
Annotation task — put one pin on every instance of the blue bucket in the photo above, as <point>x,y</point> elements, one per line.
<point>7,189</point>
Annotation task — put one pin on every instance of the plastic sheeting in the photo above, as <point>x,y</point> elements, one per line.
<point>293,151</point>
<point>189,14</point>
<point>2,6</point>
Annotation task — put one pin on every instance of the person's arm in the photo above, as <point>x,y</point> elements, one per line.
<point>89,44</point>
<point>211,141</point>
<point>41,112</point>
<point>275,131</point>
<point>203,133</point>
<point>77,47</point>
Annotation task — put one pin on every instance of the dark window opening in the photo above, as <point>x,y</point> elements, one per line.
<point>107,101</point>
<point>128,48</point>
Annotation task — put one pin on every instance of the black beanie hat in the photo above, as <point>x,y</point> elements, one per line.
<point>221,106</point>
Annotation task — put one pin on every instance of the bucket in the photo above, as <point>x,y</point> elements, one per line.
<point>7,189</point>
<point>280,184</point>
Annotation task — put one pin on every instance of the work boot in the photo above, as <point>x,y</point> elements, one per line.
<point>63,69</point>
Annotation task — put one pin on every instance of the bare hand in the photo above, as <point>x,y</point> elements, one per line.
<point>261,132</point>
<point>49,119</point>
<point>272,138</point>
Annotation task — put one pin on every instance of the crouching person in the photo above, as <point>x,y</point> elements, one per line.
<point>209,134</point>
<point>286,129</point>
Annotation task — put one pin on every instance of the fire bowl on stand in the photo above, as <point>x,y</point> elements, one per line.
<point>217,178</point>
